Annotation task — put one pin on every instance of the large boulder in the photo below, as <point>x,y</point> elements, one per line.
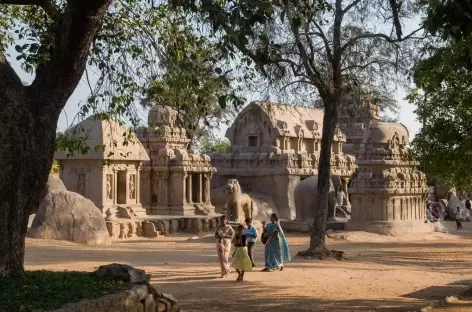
<point>452,204</point>
<point>122,272</point>
<point>55,184</point>
<point>65,215</point>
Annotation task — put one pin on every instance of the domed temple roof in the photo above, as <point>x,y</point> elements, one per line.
<point>108,136</point>
<point>161,115</point>
<point>385,132</point>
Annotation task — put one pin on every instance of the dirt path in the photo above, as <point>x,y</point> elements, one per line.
<point>381,273</point>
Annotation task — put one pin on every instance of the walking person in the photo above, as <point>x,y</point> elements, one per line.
<point>251,236</point>
<point>276,247</point>
<point>458,218</point>
<point>224,236</point>
<point>241,260</point>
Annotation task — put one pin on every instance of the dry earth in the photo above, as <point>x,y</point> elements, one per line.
<point>380,274</point>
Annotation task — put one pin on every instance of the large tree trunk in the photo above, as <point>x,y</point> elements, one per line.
<point>27,137</point>
<point>318,233</point>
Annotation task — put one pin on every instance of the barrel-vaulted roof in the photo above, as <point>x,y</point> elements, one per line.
<point>107,140</point>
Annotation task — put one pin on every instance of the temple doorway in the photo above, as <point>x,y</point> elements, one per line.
<point>121,198</point>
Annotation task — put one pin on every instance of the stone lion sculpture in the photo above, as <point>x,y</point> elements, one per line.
<point>237,203</point>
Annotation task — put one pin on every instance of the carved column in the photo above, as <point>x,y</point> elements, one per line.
<point>115,187</point>
<point>127,186</point>
<point>346,204</point>
<point>189,188</point>
<point>206,194</point>
<point>184,189</point>
<point>200,188</point>
<point>137,185</point>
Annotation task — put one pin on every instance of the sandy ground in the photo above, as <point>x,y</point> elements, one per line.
<point>380,274</point>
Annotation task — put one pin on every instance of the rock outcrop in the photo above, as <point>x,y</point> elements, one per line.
<point>65,215</point>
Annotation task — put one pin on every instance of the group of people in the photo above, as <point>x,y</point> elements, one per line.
<point>276,249</point>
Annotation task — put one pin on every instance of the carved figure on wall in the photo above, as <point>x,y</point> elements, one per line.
<point>132,184</point>
<point>239,204</point>
<point>108,186</point>
<point>81,184</point>
<point>123,231</point>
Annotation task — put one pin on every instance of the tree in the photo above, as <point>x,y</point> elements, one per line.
<point>330,47</point>
<point>443,98</point>
<point>212,144</point>
<point>193,81</point>
<point>59,42</point>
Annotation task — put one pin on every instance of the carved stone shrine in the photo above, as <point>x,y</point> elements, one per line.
<point>175,181</point>
<point>109,173</point>
<point>388,194</point>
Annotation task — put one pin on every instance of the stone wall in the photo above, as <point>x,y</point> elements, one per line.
<point>129,228</point>
<point>140,297</point>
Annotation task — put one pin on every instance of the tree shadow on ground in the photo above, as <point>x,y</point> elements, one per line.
<point>439,292</point>
<point>251,296</point>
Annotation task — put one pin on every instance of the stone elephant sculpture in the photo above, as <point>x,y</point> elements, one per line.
<point>306,199</point>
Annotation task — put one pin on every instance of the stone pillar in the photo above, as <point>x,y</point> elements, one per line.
<point>137,185</point>
<point>184,189</point>
<point>115,187</point>
<point>346,205</point>
<point>127,186</point>
<point>206,193</point>
<point>200,188</point>
<point>189,188</point>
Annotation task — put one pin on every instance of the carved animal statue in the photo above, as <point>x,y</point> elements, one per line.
<point>306,199</point>
<point>239,205</point>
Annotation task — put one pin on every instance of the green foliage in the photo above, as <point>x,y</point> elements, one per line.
<point>55,167</point>
<point>443,97</point>
<point>35,290</point>
<point>138,42</point>
<point>212,144</point>
<point>193,80</point>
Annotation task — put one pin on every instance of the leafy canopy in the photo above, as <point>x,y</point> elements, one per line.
<point>195,80</point>
<point>443,96</point>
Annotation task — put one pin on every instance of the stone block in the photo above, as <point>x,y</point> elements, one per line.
<point>149,304</point>
<point>140,290</point>
<point>149,230</point>
<point>122,272</point>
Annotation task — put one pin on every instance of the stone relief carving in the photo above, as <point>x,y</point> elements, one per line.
<point>109,186</point>
<point>132,186</point>
<point>81,184</point>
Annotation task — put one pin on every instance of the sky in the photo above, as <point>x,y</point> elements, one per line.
<point>407,115</point>
<point>66,119</point>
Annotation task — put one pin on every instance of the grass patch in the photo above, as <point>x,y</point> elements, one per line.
<point>50,290</point>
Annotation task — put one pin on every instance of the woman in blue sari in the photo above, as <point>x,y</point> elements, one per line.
<point>276,247</point>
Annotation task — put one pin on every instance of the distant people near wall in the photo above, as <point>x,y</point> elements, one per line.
<point>459,218</point>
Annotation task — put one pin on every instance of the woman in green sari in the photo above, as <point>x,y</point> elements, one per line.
<point>276,248</point>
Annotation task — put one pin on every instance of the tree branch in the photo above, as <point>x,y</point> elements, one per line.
<point>325,40</point>
<point>350,6</point>
<point>48,6</point>
<point>396,18</point>
<point>389,39</point>
<point>73,36</point>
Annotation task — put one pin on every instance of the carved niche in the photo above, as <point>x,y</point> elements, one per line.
<point>109,186</point>
<point>81,184</point>
<point>132,186</point>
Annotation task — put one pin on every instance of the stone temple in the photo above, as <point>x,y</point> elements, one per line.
<point>109,173</point>
<point>152,184</point>
<point>175,181</point>
<point>273,148</point>
<point>388,194</point>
